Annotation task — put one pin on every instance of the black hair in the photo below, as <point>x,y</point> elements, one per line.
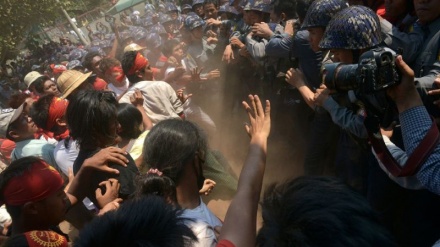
<point>129,117</point>
<point>319,211</point>
<point>153,184</point>
<point>301,8</point>
<point>17,99</point>
<point>39,84</point>
<point>168,46</point>
<point>147,221</point>
<point>40,111</point>
<point>172,143</point>
<point>107,63</point>
<point>127,63</point>
<point>88,58</point>
<point>287,7</point>
<point>15,169</point>
<point>215,2</point>
<point>90,117</point>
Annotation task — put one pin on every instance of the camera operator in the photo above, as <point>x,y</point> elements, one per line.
<point>347,41</point>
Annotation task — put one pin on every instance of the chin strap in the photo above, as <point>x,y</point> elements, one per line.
<point>417,158</point>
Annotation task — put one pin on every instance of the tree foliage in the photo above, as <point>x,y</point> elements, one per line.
<point>17,17</point>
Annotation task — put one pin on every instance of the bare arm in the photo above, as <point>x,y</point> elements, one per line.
<point>240,220</point>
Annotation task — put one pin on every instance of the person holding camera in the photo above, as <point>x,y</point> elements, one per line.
<point>348,41</point>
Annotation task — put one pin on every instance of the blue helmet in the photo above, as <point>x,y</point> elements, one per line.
<point>193,21</point>
<point>353,28</point>
<point>154,41</point>
<point>164,19</point>
<point>195,2</point>
<point>149,7</point>
<point>225,8</point>
<point>321,12</point>
<point>170,7</point>
<point>186,7</point>
<point>260,5</point>
<point>77,54</point>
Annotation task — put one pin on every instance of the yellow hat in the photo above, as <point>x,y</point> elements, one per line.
<point>31,77</point>
<point>133,47</point>
<point>70,80</point>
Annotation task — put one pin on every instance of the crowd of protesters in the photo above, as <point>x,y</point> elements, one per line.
<point>121,138</point>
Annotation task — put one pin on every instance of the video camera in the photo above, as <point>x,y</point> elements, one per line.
<point>367,81</point>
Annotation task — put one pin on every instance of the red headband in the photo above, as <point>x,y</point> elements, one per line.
<point>117,69</point>
<point>57,69</point>
<point>139,63</point>
<point>99,84</point>
<point>57,109</point>
<point>35,184</point>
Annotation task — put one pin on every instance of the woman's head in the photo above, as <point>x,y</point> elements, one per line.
<point>154,183</point>
<point>44,85</point>
<point>130,120</point>
<point>171,144</point>
<point>92,118</point>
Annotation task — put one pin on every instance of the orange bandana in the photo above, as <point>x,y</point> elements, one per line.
<point>35,184</point>
<point>139,63</point>
<point>57,109</point>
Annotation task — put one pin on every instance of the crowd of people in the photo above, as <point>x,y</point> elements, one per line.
<point>123,138</point>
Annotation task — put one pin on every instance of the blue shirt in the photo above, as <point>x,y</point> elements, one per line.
<point>415,124</point>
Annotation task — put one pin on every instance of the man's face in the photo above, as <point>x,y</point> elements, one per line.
<point>342,56</point>
<point>427,10</point>
<point>23,128</point>
<point>53,208</point>
<point>95,64</point>
<point>173,15</point>
<point>395,8</point>
<point>315,36</point>
<point>147,73</point>
<point>198,9</point>
<point>178,52</point>
<point>197,33</point>
<point>50,87</point>
<point>254,17</point>
<point>210,11</point>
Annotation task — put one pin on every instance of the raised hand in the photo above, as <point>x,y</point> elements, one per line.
<point>208,186</point>
<point>259,119</point>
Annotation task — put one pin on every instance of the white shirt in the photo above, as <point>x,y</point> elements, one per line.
<point>119,90</point>
<point>160,100</point>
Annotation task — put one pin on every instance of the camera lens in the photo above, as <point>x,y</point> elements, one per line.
<point>340,77</point>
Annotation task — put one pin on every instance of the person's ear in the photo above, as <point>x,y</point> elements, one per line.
<point>61,121</point>
<point>283,16</point>
<point>14,134</point>
<point>139,74</point>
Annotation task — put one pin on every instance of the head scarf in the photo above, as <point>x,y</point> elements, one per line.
<point>139,63</point>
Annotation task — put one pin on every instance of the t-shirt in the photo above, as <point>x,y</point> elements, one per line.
<point>65,156</point>
<point>126,176</point>
<point>202,222</point>
<point>33,147</point>
<point>119,90</point>
<point>138,144</point>
<point>160,100</point>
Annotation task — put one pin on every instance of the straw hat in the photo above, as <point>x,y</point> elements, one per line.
<point>70,80</point>
<point>31,77</point>
<point>133,47</point>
